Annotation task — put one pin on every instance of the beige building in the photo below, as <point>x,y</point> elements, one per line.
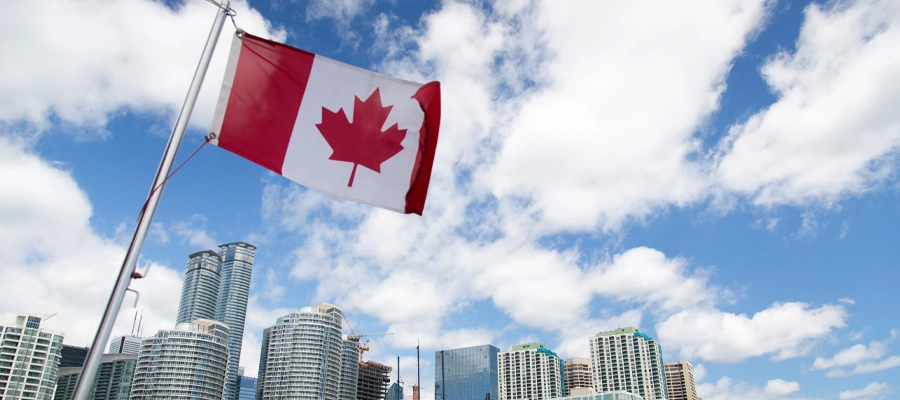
<point>578,376</point>
<point>680,381</point>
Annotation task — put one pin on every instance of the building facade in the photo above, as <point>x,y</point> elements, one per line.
<point>619,395</point>
<point>125,345</point>
<point>114,379</point>
<point>578,376</point>
<point>29,357</point>
<point>680,381</point>
<point>263,354</point>
<point>627,360</point>
<point>395,392</point>
<point>373,381</point>
<point>350,365</point>
<point>246,388</point>
<point>200,290</point>
<point>188,362</point>
<point>234,291</point>
<point>530,371</point>
<point>466,373</point>
<point>73,356</point>
<point>305,354</point>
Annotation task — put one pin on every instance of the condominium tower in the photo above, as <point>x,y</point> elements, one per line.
<point>626,359</point>
<point>187,362</point>
<point>200,291</point>
<point>113,382</point>
<point>351,358</point>
<point>29,357</point>
<point>304,358</point>
<point>530,371</point>
<point>466,373</point>
<point>680,381</point>
<point>578,376</point>
<point>234,291</point>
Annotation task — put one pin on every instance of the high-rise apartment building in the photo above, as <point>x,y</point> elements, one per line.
<point>628,360</point>
<point>680,381</point>
<point>29,357</point>
<point>305,354</point>
<point>114,379</point>
<point>466,373</point>
<point>126,344</point>
<point>578,376</point>
<point>188,362</point>
<point>617,395</point>
<point>350,365</point>
<point>234,291</point>
<point>200,291</point>
<point>263,357</point>
<point>373,381</point>
<point>530,371</point>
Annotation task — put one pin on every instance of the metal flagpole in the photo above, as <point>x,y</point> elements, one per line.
<point>92,361</point>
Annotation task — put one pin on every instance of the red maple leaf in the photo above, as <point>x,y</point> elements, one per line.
<point>361,142</point>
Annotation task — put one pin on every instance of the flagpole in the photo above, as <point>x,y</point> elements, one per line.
<point>92,362</point>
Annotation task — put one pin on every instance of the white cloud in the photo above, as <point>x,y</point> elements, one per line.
<point>847,300</point>
<point>82,61</point>
<point>726,389</point>
<point>785,330</point>
<point>867,367</point>
<point>193,232</point>
<point>342,11</point>
<point>874,391</point>
<point>808,227</point>
<point>852,355</point>
<point>834,103</point>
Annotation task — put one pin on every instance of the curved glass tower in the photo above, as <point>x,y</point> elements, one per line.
<point>200,291</point>
<point>187,362</point>
<point>234,290</point>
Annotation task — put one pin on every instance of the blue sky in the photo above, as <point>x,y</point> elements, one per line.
<point>720,174</point>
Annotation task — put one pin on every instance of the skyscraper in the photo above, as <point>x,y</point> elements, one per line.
<point>263,357</point>
<point>113,381</point>
<point>187,362</point>
<point>395,392</point>
<point>578,376</point>
<point>680,381</point>
<point>29,357</point>
<point>73,356</point>
<point>373,381</point>
<point>530,371</point>
<point>246,388</point>
<point>350,365</point>
<point>126,344</point>
<point>200,291</point>
<point>304,357</point>
<point>626,359</point>
<point>466,373</point>
<point>234,290</point>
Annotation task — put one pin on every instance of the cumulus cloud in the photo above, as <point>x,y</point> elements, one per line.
<point>80,62</point>
<point>727,389</point>
<point>834,103</point>
<point>864,359</point>
<point>785,330</point>
<point>874,391</point>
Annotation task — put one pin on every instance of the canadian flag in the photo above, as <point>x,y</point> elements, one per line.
<point>341,130</point>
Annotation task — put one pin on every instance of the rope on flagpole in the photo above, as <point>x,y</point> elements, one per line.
<point>230,12</point>
<point>161,184</point>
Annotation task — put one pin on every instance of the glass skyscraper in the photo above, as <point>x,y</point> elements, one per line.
<point>234,290</point>
<point>200,291</point>
<point>113,381</point>
<point>246,388</point>
<point>468,373</point>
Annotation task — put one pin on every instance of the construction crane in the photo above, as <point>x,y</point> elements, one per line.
<point>364,347</point>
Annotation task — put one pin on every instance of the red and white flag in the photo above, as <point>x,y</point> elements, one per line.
<point>341,130</point>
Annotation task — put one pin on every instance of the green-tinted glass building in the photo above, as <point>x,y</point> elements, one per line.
<point>469,373</point>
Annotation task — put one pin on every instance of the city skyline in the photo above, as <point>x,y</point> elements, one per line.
<point>721,174</point>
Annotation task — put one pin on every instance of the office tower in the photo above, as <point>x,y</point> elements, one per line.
<point>626,359</point>
<point>578,376</point>
<point>466,373</point>
<point>73,356</point>
<point>395,392</point>
<point>373,381</point>
<point>530,371</point>
<point>125,345</point>
<point>29,357</point>
<point>680,381</point>
<point>351,356</point>
<point>305,355</point>
<point>200,291</point>
<point>113,381</point>
<point>246,388</point>
<point>234,290</point>
<point>263,353</point>
<point>187,362</point>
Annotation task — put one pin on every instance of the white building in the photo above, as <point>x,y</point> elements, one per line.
<point>304,356</point>
<point>680,381</point>
<point>620,395</point>
<point>626,359</point>
<point>188,362</point>
<point>125,345</point>
<point>29,357</point>
<point>530,371</point>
